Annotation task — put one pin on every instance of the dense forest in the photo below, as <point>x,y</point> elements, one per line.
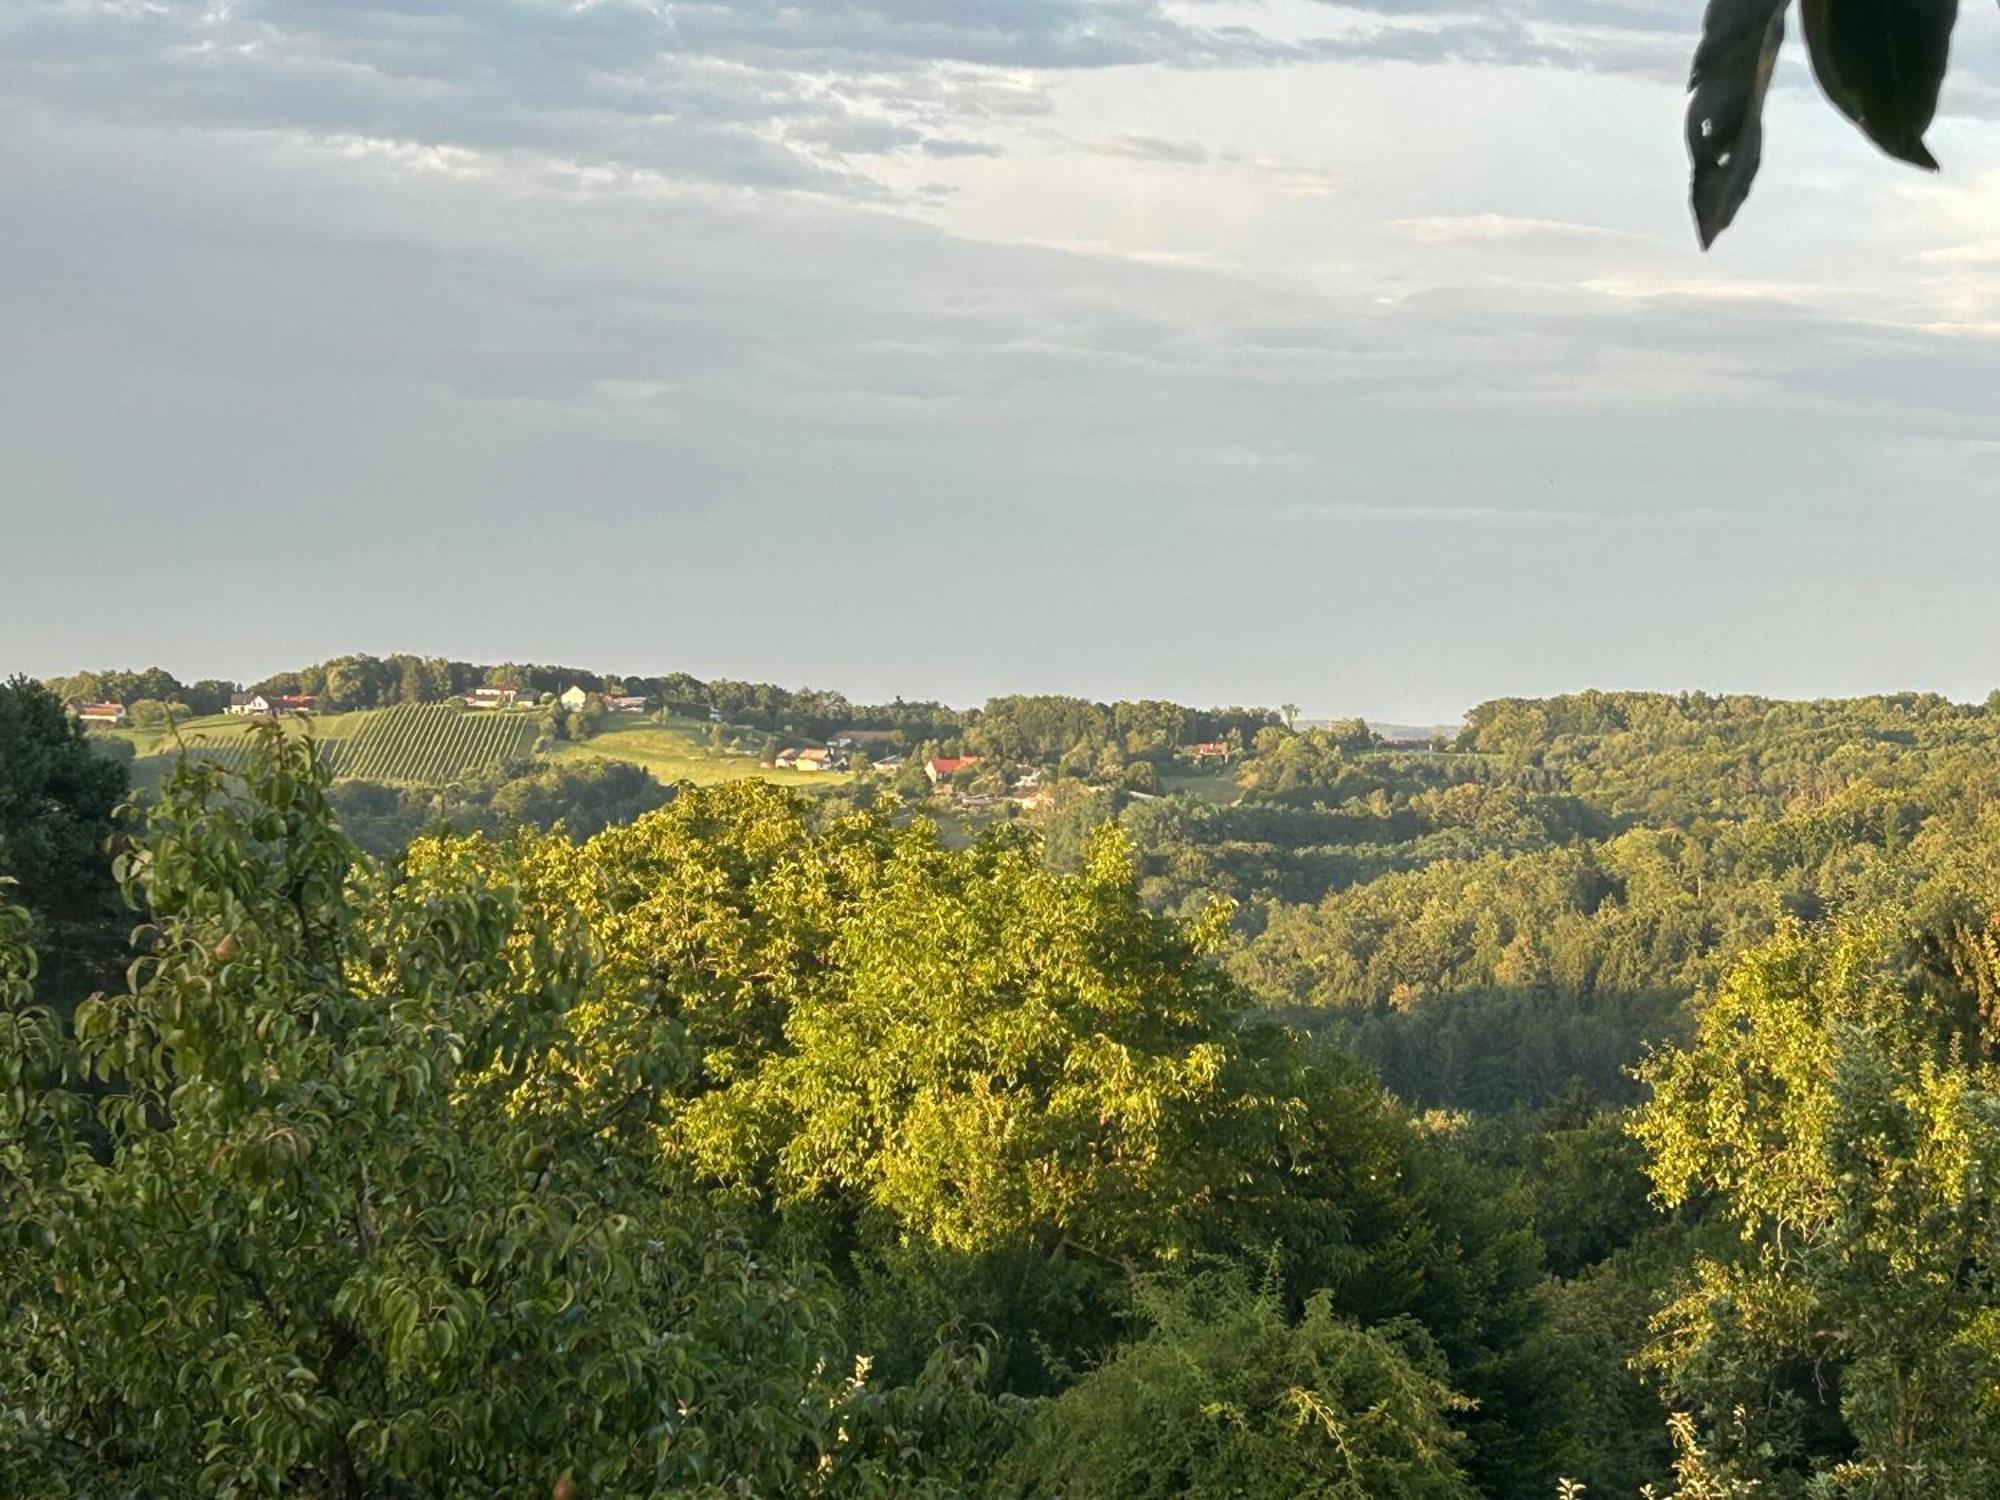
<point>1141,1101</point>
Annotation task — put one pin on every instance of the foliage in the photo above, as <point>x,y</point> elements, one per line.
<point>1841,1110</point>
<point>1879,65</point>
<point>314,1230</point>
<point>57,796</point>
<point>1224,1396</point>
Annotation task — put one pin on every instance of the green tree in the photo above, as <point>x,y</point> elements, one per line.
<point>1226,1397</point>
<point>1842,1112</point>
<point>57,797</point>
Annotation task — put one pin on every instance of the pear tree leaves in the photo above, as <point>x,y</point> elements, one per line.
<point>1725,124</point>
<point>1880,62</point>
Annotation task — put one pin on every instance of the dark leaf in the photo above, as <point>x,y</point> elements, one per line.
<point>1725,122</point>
<point>1881,62</point>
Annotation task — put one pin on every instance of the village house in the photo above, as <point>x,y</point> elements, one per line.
<point>1211,750</point>
<point>889,765</point>
<point>784,760</point>
<point>101,713</point>
<point>492,697</point>
<point>624,703</point>
<point>947,766</point>
<point>270,705</point>
<point>818,760</point>
<point>573,697</point>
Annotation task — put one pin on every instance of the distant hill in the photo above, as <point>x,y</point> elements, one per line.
<point>436,744</point>
<point>1389,731</point>
<point>1414,731</point>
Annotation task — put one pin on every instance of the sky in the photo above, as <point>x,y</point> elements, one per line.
<point>1358,356</point>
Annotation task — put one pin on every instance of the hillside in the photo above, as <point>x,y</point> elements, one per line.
<point>435,744</point>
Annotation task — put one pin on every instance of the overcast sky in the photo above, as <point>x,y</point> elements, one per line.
<point>1354,356</point>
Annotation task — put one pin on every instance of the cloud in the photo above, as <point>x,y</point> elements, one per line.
<point>1151,148</point>
<point>1487,229</point>
<point>757,93</point>
<point>1472,515</point>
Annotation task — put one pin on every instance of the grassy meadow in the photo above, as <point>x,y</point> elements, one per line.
<point>678,750</point>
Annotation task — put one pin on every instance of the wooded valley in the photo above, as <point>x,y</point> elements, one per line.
<point>1058,1098</point>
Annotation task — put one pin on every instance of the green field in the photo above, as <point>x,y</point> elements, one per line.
<point>678,750</point>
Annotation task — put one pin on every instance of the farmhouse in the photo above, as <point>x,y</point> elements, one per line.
<point>573,697</point>
<point>785,759</point>
<point>818,760</point>
<point>889,765</point>
<point>1211,750</point>
<point>492,697</point>
<point>947,766</point>
<point>101,713</point>
<point>624,703</point>
<point>272,704</point>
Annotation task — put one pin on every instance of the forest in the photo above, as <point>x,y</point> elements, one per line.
<point>1599,1101</point>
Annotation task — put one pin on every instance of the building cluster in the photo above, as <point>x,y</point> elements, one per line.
<point>270,705</point>
<point>575,698</point>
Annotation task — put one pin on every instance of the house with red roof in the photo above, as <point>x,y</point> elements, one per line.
<point>947,766</point>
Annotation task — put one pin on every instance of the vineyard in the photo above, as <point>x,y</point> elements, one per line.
<point>432,743</point>
<point>224,750</point>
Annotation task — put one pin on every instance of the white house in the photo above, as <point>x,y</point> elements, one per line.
<point>573,697</point>
<point>273,704</point>
<point>492,697</point>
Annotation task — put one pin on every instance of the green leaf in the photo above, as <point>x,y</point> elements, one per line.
<point>1725,120</point>
<point>1881,63</point>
